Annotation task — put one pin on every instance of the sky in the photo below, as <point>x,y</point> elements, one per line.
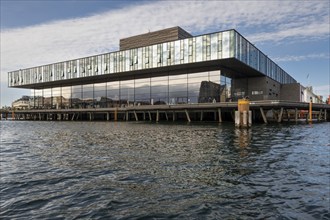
<point>295,34</point>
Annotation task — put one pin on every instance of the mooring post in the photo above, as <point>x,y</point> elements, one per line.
<point>243,115</point>
<point>237,118</point>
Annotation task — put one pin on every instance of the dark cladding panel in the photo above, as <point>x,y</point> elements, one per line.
<point>156,37</point>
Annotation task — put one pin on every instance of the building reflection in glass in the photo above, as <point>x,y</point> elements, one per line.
<point>202,87</point>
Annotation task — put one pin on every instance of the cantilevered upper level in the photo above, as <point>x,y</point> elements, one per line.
<point>225,50</point>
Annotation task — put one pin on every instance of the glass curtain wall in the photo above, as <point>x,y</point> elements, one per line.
<point>202,87</point>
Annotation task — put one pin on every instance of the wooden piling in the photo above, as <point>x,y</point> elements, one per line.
<point>136,117</point>
<point>187,115</point>
<point>280,116</point>
<point>150,118</point>
<point>219,112</point>
<point>263,115</point>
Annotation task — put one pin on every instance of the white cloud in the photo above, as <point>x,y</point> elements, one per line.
<point>74,38</point>
<point>290,58</point>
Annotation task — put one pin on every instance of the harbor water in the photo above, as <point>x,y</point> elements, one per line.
<point>142,170</point>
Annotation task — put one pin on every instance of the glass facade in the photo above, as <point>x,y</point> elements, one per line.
<point>201,87</point>
<point>221,45</point>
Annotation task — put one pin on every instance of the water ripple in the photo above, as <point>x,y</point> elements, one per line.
<point>105,170</point>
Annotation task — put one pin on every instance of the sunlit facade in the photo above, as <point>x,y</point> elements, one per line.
<point>206,68</point>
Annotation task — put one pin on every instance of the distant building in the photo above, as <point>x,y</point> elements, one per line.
<point>169,66</point>
<point>22,103</point>
<point>299,93</point>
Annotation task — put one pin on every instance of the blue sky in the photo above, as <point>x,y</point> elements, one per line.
<point>295,34</point>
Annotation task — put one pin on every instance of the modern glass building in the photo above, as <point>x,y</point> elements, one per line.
<point>163,67</point>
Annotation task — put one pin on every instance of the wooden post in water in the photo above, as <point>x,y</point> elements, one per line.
<point>325,115</point>
<point>116,114</point>
<point>263,115</point>
<point>280,116</point>
<point>320,115</point>
<point>219,112</point>
<point>296,114</point>
<point>157,116</point>
<point>187,115</point>
<point>136,117</point>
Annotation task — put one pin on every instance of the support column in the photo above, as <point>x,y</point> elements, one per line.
<point>325,115</point>
<point>126,115</point>
<point>136,117</point>
<point>157,116</point>
<point>274,115</point>
<point>108,116</point>
<point>116,115</point>
<point>320,115</point>
<point>263,115</point>
<point>166,116</point>
<point>187,114</point>
<point>202,115</point>
<point>296,114</point>
<point>150,118</point>
<point>288,115</point>
<point>219,112</point>
<point>144,116</point>
<point>280,115</point>
<point>173,114</point>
